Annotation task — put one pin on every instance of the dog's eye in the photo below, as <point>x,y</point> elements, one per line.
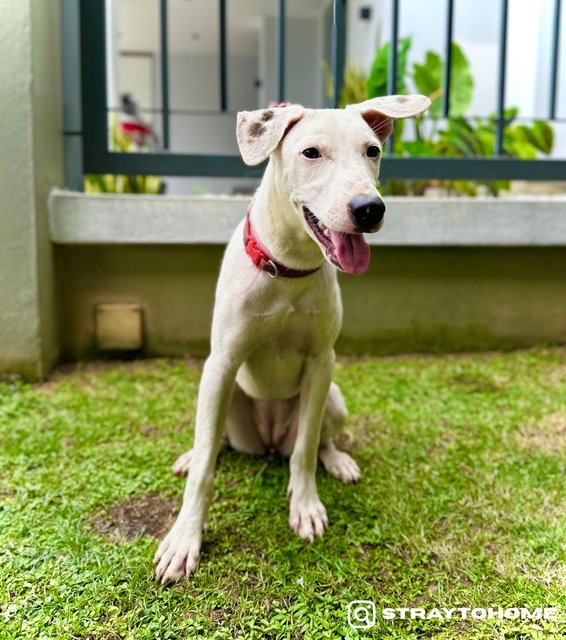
<point>373,152</point>
<point>311,153</point>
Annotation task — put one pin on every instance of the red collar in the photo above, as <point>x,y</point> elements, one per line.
<point>263,260</point>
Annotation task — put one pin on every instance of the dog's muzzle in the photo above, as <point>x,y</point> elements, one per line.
<point>366,213</point>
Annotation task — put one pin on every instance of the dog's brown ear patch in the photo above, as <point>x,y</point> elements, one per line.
<point>256,129</point>
<point>259,132</point>
<point>379,113</point>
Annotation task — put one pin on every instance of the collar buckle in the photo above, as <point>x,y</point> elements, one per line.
<point>271,268</point>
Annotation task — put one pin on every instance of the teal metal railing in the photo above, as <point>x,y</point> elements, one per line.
<point>98,159</point>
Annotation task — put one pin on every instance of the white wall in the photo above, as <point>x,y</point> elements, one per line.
<point>304,53</point>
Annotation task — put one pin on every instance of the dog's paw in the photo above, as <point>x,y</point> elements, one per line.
<point>340,465</point>
<point>183,463</point>
<point>307,517</point>
<point>177,556</point>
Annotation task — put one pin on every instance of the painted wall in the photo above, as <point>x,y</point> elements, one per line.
<point>30,163</point>
<point>412,299</point>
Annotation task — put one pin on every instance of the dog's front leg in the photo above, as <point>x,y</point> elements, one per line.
<point>178,554</point>
<point>307,515</point>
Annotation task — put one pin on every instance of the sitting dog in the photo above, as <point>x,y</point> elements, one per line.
<point>267,382</point>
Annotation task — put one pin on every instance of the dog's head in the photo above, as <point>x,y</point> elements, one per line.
<point>326,163</point>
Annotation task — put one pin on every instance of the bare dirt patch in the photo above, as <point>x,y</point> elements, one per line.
<point>548,435</point>
<point>353,439</point>
<point>146,515</point>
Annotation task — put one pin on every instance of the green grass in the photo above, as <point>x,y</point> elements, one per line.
<point>462,504</point>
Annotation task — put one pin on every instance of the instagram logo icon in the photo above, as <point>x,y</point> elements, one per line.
<point>361,614</point>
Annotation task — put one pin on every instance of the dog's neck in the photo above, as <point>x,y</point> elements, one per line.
<point>279,228</point>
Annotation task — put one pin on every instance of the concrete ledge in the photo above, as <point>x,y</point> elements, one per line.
<point>80,219</point>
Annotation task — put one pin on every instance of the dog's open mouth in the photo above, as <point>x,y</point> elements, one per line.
<point>348,251</point>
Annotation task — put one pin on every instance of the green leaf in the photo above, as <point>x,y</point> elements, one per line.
<point>429,79</point>
<point>377,80</point>
<point>354,89</point>
<point>517,148</point>
<point>544,135</point>
<point>525,142</point>
<point>461,83</point>
<point>463,187</point>
<point>450,142</point>
<point>461,138</point>
<point>418,148</point>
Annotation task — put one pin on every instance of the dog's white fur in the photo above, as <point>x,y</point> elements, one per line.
<point>267,381</point>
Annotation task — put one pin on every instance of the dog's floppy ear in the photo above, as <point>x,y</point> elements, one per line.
<point>259,132</point>
<point>379,113</point>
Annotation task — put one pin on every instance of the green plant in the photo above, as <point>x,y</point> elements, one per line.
<point>458,136</point>
<point>354,87</point>
<point>377,80</point>
<point>112,183</point>
<point>428,79</point>
<point>476,138</point>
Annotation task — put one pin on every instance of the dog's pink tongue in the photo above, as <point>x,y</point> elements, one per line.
<point>352,251</point>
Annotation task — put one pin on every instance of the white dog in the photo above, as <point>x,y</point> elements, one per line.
<point>267,381</point>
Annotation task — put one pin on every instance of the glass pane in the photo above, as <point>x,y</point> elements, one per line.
<point>308,38</point>
<point>194,59</point>
<point>196,91</point>
<point>133,74</point>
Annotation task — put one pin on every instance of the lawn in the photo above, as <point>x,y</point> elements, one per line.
<point>462,504</point>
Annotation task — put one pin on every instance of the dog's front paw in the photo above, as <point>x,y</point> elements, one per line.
<point>307,517</point>
<point>177,555</point>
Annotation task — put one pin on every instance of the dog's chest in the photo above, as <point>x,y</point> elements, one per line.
<point>299,318</point>
<point>284,331</point>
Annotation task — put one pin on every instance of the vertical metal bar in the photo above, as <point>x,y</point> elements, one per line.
<point>448,58</point>
<point>71,77</point>
<point>554,70</point>
<point>93,85</point>
<point>223,54</point>
<point>501,79</point>
<point>392,75</point>
<point>164,74</point>
<point>281,46</point>
<point>338,48</point>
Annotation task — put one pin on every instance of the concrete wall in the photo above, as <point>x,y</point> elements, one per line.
<point>446,274</point>
<point>30,163</point>
<point>412,298</point>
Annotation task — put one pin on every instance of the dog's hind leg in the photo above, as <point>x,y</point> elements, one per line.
<point>241,432</point>
<point>182,465</point>
<point>338,463</point>
<point>242,425</point>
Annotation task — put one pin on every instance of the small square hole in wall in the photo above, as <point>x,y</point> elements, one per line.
<point>118,327</point>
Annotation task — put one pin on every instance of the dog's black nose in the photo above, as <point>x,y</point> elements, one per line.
<point>366,212</point>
